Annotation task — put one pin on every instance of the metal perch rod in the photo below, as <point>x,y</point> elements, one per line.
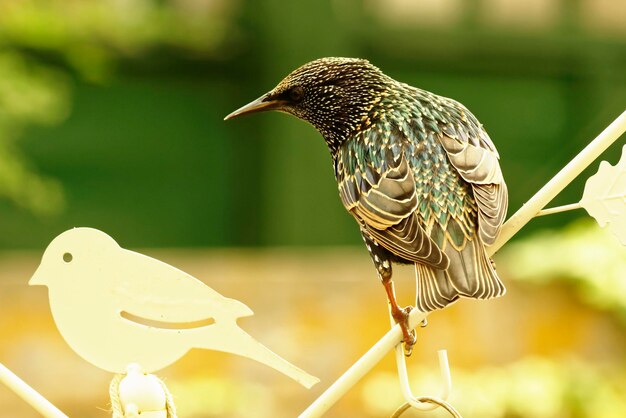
<point>564,177</point>
<point>559,209</point>
<point>360,368</point>
<point>30,395</point>
<point>529,210</point>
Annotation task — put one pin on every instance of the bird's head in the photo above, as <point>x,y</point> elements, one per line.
<point>333,94</point>
<point>71,255</point>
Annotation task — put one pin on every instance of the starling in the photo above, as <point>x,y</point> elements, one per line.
<point>416,170</point>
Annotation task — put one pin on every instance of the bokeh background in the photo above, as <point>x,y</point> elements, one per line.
<point>111,117</point>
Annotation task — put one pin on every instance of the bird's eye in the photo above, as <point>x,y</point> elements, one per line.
<point>67,257</point>
<point>296,94</point>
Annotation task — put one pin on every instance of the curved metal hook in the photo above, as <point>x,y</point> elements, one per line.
<point>403,376</point>
<point>411,399</point>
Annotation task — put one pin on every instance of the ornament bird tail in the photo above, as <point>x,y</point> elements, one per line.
<point>235,340</point>
<point>470,274</point>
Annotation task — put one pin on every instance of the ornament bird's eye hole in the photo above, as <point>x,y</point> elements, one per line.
<point>67,257</point>
<point>296,94</point>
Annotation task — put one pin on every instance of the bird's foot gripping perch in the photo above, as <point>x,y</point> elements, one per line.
<point>401,316</point>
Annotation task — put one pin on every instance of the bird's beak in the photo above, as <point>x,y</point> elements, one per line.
<point>36,279</point>
<point>263,103</point>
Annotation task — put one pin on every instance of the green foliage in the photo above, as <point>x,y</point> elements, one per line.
<point>267,180</point>
<point>29,94</point>
<point>582,254</point>
<point>89,38</point>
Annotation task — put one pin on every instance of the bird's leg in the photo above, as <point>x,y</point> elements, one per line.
<point>382,262</point>
<point>400,315</point>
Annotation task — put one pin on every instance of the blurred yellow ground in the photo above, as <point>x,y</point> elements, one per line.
<point>322,309</point>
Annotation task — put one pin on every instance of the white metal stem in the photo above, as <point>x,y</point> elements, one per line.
<point>363,365</point>
<point>564,177</point>
<point>30,395</point>
<point>559,209</point>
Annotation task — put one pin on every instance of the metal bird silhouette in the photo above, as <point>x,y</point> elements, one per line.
<point>115,307</point>
<point>416,170</point>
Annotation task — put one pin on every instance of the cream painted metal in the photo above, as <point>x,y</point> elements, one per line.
<point>409,397</point>
<point>115,307</point>
<point>605,197</point>
<point>30,395</point>
<point>359,369</point>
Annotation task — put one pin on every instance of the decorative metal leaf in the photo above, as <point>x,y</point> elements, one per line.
<point>605,197</point>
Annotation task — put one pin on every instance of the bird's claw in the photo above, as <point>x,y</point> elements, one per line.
<point>408,344</point>
<point>409,336</point>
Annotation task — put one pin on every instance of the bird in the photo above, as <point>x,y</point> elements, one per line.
<point>116,307</point>
<point>417,171</point>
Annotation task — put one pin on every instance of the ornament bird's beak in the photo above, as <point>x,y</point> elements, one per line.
<point>36,279</point>
<point>263,103</point>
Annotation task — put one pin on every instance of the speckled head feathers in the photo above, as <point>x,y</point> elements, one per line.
<point>329,71</point>
<point>333,94</point>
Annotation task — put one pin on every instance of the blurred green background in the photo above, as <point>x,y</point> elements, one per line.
<point>111,117</point>
<point>111,111</point>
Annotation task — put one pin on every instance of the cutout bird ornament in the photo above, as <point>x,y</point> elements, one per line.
<point>115,307</point>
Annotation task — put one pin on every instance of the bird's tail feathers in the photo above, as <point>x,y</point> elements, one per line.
<point>470,274</point>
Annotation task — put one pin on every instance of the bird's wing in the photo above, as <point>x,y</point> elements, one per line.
<point>474,156</point>
<point>149,289</point>
<point>379,191</point>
